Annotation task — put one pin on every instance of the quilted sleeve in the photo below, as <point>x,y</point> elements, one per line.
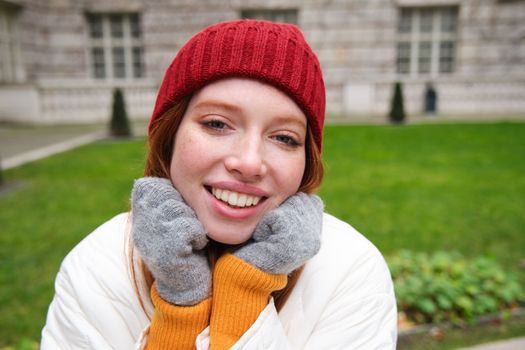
<point>361,313</point>
<point>67,326</point>
<point>95,305</point>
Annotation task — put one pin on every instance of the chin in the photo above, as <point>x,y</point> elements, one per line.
<point>228,238</point>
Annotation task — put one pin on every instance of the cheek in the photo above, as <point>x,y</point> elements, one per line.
<point>188,160</point>
<point>290,176</point>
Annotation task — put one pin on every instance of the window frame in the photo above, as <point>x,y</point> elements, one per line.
<point>410,31</point>
<point>11,65</point>
<point>109,44</point>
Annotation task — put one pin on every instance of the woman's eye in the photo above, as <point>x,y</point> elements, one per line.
<point>287,140</point>
<point>215,124</point>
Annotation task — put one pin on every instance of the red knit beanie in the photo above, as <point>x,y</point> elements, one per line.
<point>275,53</point>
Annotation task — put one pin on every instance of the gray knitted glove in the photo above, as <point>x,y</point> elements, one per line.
<point>287,236</point>
<point>170,239</point>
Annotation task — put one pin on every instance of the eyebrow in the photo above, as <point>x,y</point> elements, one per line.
<point>291,120</point>
<point>217,104</point>
<point>225,106</point>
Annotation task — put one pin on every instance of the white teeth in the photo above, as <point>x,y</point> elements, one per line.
<point>234,198</point>
<point>224,195</point>
<point>241,202</point>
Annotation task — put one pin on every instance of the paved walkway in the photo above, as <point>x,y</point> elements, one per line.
<point>508,344</point>
<point>21,144</point>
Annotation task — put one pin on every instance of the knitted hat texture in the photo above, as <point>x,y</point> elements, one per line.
<point>275,53</point>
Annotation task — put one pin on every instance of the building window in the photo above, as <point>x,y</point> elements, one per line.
<point>426,41</point>
<point>10,62</point>
<point>115,46</point>
<point>280,15</point>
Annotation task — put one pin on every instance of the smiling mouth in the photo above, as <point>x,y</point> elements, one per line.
<point>235,199</point>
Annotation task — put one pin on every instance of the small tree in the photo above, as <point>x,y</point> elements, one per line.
<point>1,173</point>
<point>119,118</point>
<point>397,109</point>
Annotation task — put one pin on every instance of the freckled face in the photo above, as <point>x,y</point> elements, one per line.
<point>238,153</point>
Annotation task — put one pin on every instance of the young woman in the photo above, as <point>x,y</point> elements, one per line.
<point>225,245</point>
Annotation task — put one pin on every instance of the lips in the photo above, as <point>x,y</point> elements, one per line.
<point>235,199</point>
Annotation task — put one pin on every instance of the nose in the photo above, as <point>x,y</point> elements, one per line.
<point>247,160</point>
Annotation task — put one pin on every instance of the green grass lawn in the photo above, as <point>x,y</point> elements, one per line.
<point>420,187</point>
<point>429,187</point>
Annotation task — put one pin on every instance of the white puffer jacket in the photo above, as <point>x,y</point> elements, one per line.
<point>344,298</point>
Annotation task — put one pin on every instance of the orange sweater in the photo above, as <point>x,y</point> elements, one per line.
<point>176,327</point>
<point>240,293</point>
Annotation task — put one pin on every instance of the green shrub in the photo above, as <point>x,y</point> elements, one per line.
<point>445,286</point>
<point>119,118</point>
<point>397,110</point>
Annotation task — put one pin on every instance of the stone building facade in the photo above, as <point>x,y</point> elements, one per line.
<point>61,59</point>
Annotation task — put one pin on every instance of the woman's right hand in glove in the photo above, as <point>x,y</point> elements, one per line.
<point>170,239</point>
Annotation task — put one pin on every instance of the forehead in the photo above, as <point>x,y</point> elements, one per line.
<point>247,95</point>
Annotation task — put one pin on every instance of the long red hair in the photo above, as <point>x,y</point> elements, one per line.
<point>160,148</point>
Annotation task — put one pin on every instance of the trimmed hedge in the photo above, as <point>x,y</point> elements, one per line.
<point>397,113</point>
<point>119,124</point>
<point>1,173</point>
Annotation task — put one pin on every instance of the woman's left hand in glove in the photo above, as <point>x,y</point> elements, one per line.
<point>287,236</point>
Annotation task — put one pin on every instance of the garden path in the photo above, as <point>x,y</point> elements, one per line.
<point>508,344</point>
<point>20,144</point>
